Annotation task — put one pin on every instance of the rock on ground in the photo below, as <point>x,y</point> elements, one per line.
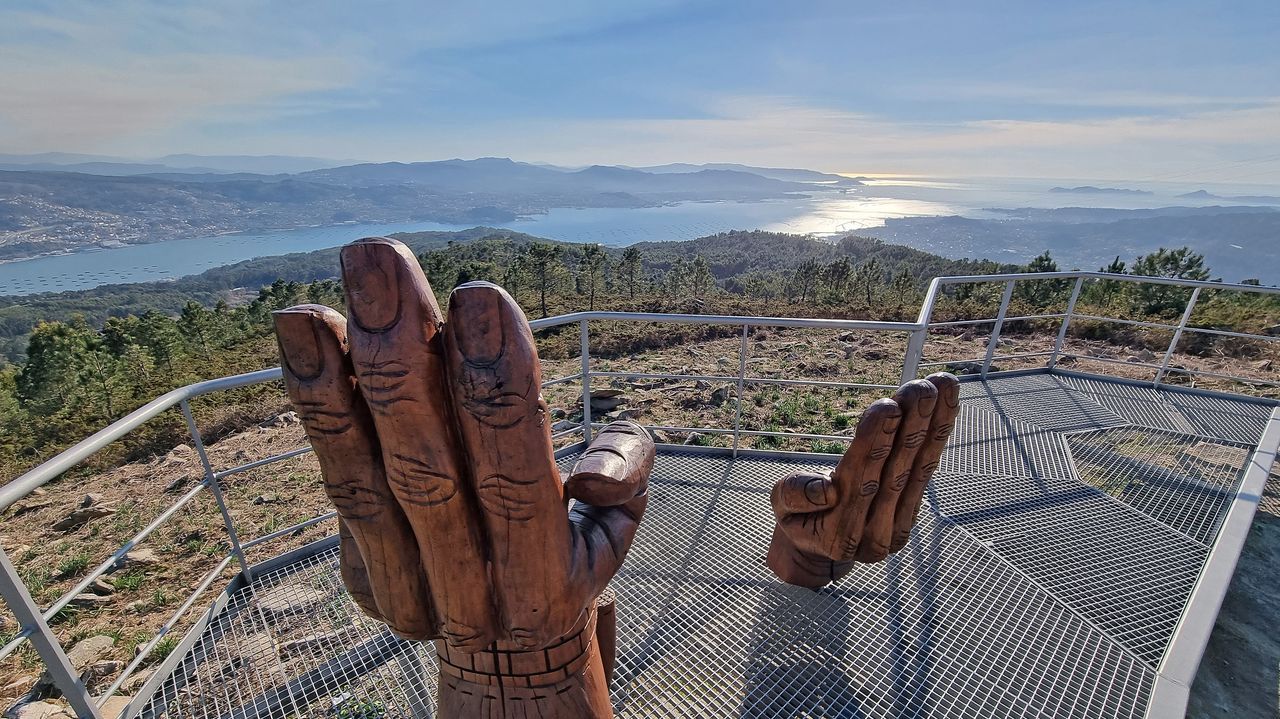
<point>137,558</point>
<point>35,710</point>
<point>81,517</point>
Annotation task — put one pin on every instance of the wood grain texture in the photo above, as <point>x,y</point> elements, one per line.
<point>865,509</point>
<point>318,377</point>
<point>436,449</point>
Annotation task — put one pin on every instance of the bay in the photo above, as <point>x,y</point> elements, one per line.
<point>822,214</point>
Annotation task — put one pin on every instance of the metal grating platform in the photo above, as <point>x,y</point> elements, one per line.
<point>1046,580</point>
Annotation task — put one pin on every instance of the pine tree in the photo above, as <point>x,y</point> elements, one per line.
<point>591,272</point>
<point>630,268</point>
<point>838,274</point>
<point>50,374</point>
<point>1165,300</point>
<point>544,264</point>
<point>1041,293</point>
<point>161,337</point>
<point>196,325</point>
<point>902,287</point>
<point>676,281</point>
<point>701,281</point>
<point>868,276</point>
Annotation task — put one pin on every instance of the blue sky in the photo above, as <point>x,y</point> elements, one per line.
<point>1139,91</point>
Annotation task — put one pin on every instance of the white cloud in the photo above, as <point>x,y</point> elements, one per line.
<point>94,74</point>
<point>106,75</point>
<point>785,131</point>
<point>81,105</point>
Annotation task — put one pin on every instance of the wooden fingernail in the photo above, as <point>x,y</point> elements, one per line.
<point>299,346</point>
<point>480,306</point>
<point>371,273</point>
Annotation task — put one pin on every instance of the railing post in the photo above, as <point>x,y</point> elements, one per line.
<point>584,339</point>
<point>1066,322</point>
<point>1177,335</point>
<point>915,352</point>
<point>19,601</point>
<point>742,376</point>
<point>211,482</point>
<point>994,340</point>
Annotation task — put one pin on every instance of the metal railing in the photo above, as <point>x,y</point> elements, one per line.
<point>1078,280</point>
<point>34,621</point>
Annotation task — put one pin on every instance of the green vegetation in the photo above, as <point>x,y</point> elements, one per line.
<point>81,370</point>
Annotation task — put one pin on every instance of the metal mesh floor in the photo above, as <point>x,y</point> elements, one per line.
<point>1046,580</point>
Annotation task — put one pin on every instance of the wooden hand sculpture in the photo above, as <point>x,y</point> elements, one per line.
<point>865,509</point>
<point>434,443</point>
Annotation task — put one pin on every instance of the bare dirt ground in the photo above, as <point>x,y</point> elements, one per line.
<point>1238,677</point>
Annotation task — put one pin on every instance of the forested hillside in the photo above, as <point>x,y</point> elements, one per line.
<point>90,357</point>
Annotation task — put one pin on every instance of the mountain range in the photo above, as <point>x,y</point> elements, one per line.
<point>46,211</point>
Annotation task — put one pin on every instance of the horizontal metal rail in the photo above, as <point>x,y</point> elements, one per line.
<point>748,380</point>
<point>749,432</point>
<point>978,360</point>
<point>1221,375</point>
<point>38,477</point>
<point>261,462</point>
<point>1135,279</point>
<point>1111,360</point>
<point>989,320</point>
<point>289,530</point>
<point>1176,370</point>
<point>562,380</point>
<point>661,318</point>
<point>1228,333</point>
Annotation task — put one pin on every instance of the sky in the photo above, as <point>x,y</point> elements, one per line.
<point>1140,91</point>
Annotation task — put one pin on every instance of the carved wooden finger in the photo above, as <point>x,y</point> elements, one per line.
<point>615,468</point>
<point>858,476</point>
<point>496,385</point>
<point>317,374</point>
<point>801,493</point>
<point>917,399</point>
<point>801,502</point>
<point>926,462</point>
<point>355,577</point>
<point>397,351</point>
<point>610,482</point>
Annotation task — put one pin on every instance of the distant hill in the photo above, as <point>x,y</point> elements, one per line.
<point>1091,190</point>
<point>103,168</point>
<point>1206,195</point>
<point>262,164</point>
<point>183,164</point>
<point>1238,243</point>
<point>776,173</point>
<point>1109,214</point>
<point>503,175</point>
